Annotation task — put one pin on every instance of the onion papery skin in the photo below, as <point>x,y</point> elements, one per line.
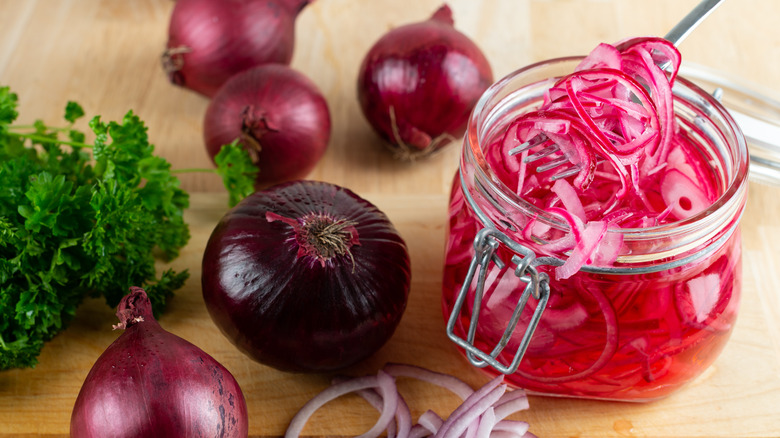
<point>151,383</point>
<point>210,41</point>
<point>289,309</point>
<point>278,115</point>
<point>419,82</point>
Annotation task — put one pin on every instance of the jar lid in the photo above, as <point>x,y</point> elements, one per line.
<point>756,113</point>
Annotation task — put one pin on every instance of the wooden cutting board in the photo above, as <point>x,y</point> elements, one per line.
<point>104,54</point>
<point>738,396</point>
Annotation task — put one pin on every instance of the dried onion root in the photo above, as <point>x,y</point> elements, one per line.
<point>482,413</point>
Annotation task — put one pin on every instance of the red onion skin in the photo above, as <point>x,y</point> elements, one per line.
<point>290,310</point>
<point>209,41</point>
<point>152,383</point>
<point>431,76</point>
<point>278,114</point>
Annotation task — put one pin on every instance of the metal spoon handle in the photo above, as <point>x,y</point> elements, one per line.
<point>690,21</point>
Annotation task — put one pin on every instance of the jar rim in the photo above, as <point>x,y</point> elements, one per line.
<point>729,203</point>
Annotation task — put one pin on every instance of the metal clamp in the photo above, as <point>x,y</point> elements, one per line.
<point>486,242</point>
<point>537,286</point>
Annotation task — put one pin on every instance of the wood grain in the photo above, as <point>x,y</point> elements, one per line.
<point>105,55</point>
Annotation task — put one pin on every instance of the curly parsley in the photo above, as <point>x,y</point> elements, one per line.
<point>80,219</point>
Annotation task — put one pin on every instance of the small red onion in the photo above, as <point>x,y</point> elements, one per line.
<point>277,114</point>
<point>152,383</point>
<point>209,41</point>
<point>418,84</point>
<point>306,276</point>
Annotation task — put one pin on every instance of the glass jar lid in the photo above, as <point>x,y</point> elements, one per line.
<point>756,113</point>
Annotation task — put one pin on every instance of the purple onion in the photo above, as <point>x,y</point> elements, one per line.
<point>306,276</point>
<point>277,114</point>
<point>419,82</point>
<point>210,41</point>
<point>151,383</point>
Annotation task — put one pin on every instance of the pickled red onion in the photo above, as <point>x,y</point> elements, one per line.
<point>613,118</point>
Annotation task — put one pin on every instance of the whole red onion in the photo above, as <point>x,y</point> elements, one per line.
<point>306,276</point>
<point>151,383</point>
<point>279,116</point>
<point>418,84</point>
<point>211,40</point>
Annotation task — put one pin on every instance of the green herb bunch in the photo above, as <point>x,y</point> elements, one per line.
<point>80,220</point>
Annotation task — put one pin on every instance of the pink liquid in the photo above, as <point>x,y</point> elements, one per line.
<point>620,337</point>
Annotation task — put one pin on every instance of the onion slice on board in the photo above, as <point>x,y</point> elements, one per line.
<point>481,413</point>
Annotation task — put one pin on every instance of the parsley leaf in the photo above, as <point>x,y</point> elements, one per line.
<point>8,113</point>
<point>238,173</point>
<point>80,220</point>
<point>73,111</point>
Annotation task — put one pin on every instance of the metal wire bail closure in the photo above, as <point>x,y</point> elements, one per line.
<point>486,242</point>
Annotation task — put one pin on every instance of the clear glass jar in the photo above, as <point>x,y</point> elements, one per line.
<point>634,331</point>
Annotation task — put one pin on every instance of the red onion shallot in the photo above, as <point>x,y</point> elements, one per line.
<point>151,383</point>
<point>210,41</point>
<point>277,114</point>
<point>419,82</point>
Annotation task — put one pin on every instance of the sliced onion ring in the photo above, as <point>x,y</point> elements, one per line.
<point>381,381</point>
<point>481,413</point>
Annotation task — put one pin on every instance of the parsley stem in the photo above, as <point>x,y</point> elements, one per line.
<point>28,127</point>
<point>45,139</point>
<point>194,170</point>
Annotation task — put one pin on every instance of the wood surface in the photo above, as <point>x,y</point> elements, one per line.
<point>105,54</point>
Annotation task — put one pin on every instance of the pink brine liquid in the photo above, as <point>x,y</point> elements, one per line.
<point>621,337</point>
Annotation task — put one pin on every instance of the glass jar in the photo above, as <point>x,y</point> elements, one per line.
<point>636,330</point>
